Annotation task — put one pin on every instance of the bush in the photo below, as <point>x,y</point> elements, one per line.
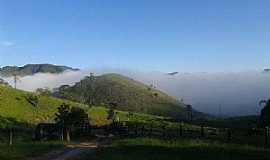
<point>32,99</point>
<point>70,116</point>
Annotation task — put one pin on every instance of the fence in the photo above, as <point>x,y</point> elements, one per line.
<point>258,137</point>
<point>254,136</point>
<point>16,135</point>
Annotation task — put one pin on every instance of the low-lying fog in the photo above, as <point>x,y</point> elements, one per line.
<point>216,93</point>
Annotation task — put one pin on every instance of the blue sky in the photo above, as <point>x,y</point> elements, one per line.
<point>147,35</point>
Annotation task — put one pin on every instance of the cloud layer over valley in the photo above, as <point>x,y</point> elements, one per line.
<point>215,93</point>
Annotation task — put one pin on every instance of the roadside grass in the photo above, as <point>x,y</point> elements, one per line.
<point>23,151</point>
<point>182,149</point>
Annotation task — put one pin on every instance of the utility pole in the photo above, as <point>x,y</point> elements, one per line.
<point>16,79</point>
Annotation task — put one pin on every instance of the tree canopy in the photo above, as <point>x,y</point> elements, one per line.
<point>70,116</point>
<point>265,113</point>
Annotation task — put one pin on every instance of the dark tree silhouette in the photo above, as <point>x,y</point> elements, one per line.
<point>67,116</point>
<point>90,94</point>
<point>265,112</point>
<point>111,112</point>
<point>189,112</point>
<point>32,99</point>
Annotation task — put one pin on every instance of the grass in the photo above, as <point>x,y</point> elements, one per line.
<point>23,151</point>
<point>183,149</point>
<point>15,110</point>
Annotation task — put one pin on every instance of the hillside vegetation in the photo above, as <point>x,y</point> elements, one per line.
<point>25,107</point>
<point>20,107</point>
<point>127,94</point>
<point>31,69</point>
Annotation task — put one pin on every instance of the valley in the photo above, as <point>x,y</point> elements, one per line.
<point>156,116</point>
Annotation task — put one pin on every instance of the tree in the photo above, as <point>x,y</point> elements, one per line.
<point>62,116</point>
<point>16,79</point>
<point>78,116</point>
<point>111,112</point>
<point>130,115</point>
<point>43,91</point>
<point>69,116</point>
<point>90,86</point>
<point>265,112</point>
<point>32,99</point>
<point>189,112</point>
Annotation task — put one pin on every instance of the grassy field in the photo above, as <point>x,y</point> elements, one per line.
<point>23,151</point>
<point>155,149</point>
<point>15,109</point>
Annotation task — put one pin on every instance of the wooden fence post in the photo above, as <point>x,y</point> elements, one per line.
<point>266,136</point>
<point>229,134</point>
<point>202,131</point>
<point>136,129</point>
<point>41,133</point>
<point>68,134</point>
<point>10,136</point>
<point>128,129</point>
<point>181,129</point>
<point>151,129</point>
<point>164,131</point>
<point>62,134</point>
<point>142,130</point>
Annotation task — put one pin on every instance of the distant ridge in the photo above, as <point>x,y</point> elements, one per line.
<point>31,69</point>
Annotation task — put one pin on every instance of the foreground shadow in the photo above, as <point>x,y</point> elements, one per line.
<point>150,152</point>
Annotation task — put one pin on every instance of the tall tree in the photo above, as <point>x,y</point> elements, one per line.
<point>265,112</point>
<point>189,112</point>
<point>69,116</point>
<point>111,111</point>
<point>90,94</point>
<point>16,80</point>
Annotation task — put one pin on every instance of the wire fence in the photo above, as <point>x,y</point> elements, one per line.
<point>253,136</point>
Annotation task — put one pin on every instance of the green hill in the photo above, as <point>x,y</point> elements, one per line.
<point>16,109</point>
<point>126,93</point>
<point>31,69</point>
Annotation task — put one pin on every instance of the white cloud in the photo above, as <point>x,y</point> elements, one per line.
<point>7,43</point>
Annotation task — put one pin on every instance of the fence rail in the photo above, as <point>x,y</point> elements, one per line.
<point>254,136</point>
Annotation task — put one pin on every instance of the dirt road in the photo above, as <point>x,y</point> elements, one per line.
<point>71,151</point>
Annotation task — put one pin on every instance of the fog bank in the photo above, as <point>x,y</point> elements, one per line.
<point>215,93</point>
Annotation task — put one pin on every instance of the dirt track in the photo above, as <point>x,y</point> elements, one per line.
<point>72,151</point>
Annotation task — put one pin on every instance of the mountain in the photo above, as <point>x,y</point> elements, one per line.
<point>126,94</point>
<point>172,73</point>
<point>266,70</point>
<point>31,69</point>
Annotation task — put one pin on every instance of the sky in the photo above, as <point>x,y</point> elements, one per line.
<point>146,35</point>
